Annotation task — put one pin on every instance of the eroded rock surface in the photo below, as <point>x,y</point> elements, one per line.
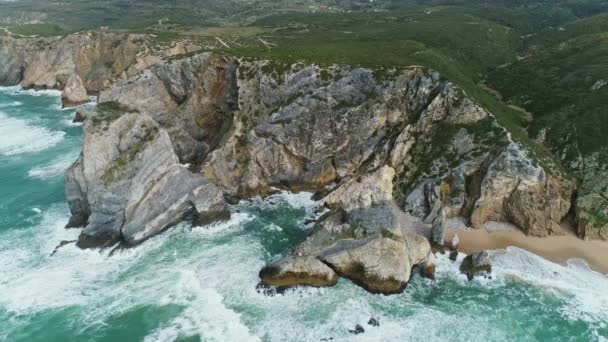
<point>128,183</point>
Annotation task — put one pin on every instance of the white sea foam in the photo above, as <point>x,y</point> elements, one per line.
<point>296,200</point>
<point>53,169</point>
<point>210,272</point>
<point>11,104</point>
<point>583,290</point>
<point>205,314</point>
<point>18,90</point>
<point>18,136</point>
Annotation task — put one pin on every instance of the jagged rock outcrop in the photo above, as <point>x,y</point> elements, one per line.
<point>365,238</point>
<point>74,93</point>
<point>398,153</point>
<point>379,264</point>
<point>50,62</point>
<point>476,264</point>
<point>81,62</point>
<point>516,190</point>
<point>128,183</point>
<point>193,99</point>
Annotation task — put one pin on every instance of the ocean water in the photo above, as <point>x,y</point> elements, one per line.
<point>199,283</point>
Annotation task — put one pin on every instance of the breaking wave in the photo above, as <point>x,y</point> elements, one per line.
<point>19,136</point>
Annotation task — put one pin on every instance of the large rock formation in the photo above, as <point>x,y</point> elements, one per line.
<point>396,154</point>
<point>74,93</point>
<point>516,190</point>
<point>128,183</point>
<point>80,63</point>
<point>365,238</point>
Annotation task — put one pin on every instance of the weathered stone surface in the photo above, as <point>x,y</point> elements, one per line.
<point>79,116</point>
<point>538,209</point>
<point>295,270</point>
<point>301,266</point>
<point>209,205</point>
<point>439,229</point>
<point>363,193</point>
<point>50,62</point>
<point>381,265</point>
<point>516,190</point>
<point>476,264</point>
<point>74,92</point>
<point>200,94</point>
<point>128,184</point>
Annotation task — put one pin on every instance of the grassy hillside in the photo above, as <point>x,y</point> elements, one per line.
<point>564,43</point>
<point>565,87</point>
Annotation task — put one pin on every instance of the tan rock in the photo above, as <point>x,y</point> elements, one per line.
<point>538,208</point>
<point>74,93</point>
<point>362,193</point>
<point>292,271</point>
<point>380,265</point>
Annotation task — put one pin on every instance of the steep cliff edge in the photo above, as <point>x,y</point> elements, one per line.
<point>394,155</point>
<point>78,64</point>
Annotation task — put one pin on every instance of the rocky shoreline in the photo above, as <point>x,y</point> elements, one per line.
<point>392,155</point>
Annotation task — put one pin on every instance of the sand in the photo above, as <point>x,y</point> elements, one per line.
<point>555,248</point>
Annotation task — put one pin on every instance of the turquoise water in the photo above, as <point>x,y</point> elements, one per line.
<point>198,283</point>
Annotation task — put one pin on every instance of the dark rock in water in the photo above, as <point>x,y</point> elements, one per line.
<point>454,255</point>
<point>77,221</point>
<point>427,269</point>
<point>475,264</point>
<point>205,218</point>
<point>80,116</point>
<point>309,221</point>
<point>294,270</point>
<point>101,240</point>
<point>61,244</point>
<point>373,322</point>
<point>358,330</point>
<point>270,291</point>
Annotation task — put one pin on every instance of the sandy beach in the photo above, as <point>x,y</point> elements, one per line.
<point>555,248</point>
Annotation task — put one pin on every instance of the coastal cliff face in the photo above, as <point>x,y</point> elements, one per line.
<point>79,64</point>
<point>393,155</point>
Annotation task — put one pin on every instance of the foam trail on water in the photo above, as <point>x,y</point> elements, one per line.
<point>55,168</point>
<point>18,136</point>
<point>11,104</point>
<point>205,314</point>
<point>583,290</point>
<point>18,90</point>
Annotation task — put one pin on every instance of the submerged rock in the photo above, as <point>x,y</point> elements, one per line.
<point>476,264</point>
<point>79,116</point>
<point>373,322</point>
<point>358,330</point>
<point>453,255</point>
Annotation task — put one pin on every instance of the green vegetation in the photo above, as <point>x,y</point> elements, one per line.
<point>120,164</point>
<point>107,112</point>
<point>566,88</point>
<point>547,59</point>
<point>596,218</point>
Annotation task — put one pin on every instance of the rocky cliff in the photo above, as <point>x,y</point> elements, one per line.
<point>393,155</point>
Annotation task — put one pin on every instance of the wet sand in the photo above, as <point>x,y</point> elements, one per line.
<point>555,248</point>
